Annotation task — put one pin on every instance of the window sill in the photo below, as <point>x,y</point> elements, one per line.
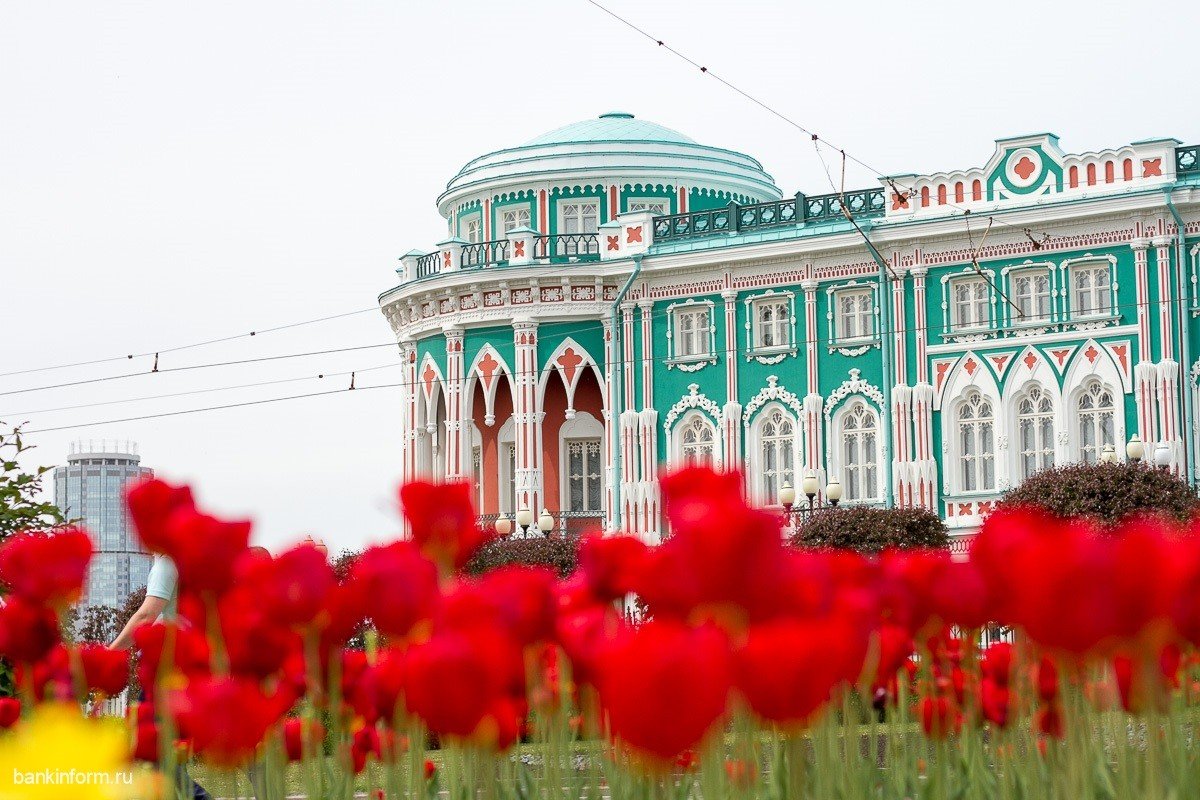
<point>1092,319</point>
<point>776,354</point>
<point>970,334</point>
<point>690,363</point>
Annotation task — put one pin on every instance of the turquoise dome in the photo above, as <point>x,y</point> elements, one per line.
<point>615,126</point>
<point>613,149</point>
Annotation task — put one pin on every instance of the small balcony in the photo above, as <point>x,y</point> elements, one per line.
<point>562,248</point>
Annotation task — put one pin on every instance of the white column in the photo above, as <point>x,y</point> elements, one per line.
<point>454,403</point>
<point>527,415</point>
<point>1145,375</point>
<point>924,475</point>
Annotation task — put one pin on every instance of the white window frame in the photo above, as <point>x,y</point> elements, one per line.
<point>512,208</point>
<point>687,422</point>
<point>1045,450</point>
<point>564,204</point>
<point>665,202</point>
<point>1017,273</point>
<point>506,441</point>
<point>968,462</point>
<point>464,227</point>
<point>1071,267</point>
<point>956,325</point>
<point>1078,419</point>
<point>582,428</point>
<point>752,304</point>
<point>757,455</point>
<point>691,361</point>
<point>838,449</point>
<point>833,317</point>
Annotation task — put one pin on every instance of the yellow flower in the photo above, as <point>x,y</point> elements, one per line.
<point>58,754</point>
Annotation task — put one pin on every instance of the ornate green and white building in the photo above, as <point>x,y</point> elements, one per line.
<point>613,298</point>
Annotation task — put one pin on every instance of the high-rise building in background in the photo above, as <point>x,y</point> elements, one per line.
<point>90,491</point>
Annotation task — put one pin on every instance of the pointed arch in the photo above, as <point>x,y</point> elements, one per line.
<point>974,431</point>
<point>1092,358</point>
<point>1093,393</point>
<point>432,385</point>
<point>568,361</point>
<point>773,449</point>
<point>488,369</point>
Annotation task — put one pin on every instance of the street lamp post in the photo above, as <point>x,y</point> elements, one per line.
<point>1108,454</point>
<point>503,526</point>
<point>545,523</point>
<point>524,519</point>
<point>1135,450</point>
<point>1162,456</point>
<point>833,492</point>
<point>810,489</point>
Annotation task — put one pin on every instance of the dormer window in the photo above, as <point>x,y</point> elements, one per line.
<point>579,217</point>
<point>513,218</point>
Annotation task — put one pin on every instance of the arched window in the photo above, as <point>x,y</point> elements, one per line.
<point>777,446</point>
<point>977,443</point>
<point>1035,430</point>
<point>860,452</point>
<point>1096,411</point>
<point>697,441</point>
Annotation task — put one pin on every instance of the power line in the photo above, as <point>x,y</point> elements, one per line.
<point>121,401</point>
<point>211,408</point>
<point>816,138</point>
<point>180,348</point>
<point>727,352</point>
<point>197,366</point>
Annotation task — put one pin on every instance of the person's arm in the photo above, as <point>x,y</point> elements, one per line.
<point>149,610</point>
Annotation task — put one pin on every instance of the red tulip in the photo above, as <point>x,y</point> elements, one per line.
<point>297,733</point>
<point>452,680</point>
<point>10,712</point>
<point>430,769</point>
<point>189,646</point>
<point>665,686</point>
<point>46,569</point>
<point>227,717</point>
<point>939,717</point>
<point>145,745</point>
<point>1047,680</point>
<point>151,504</point>
<point>444,526</point>
<point>50,677</point>
<point>1048,720</point>
<point>995,702</point>
<point>518,599</point>
<point>378,689</point>
<point>609,564</point>
<point>104,670</point>
<point>295,585</point>
<point>27,631</point>
<point>395,585</point>
<point>205,550</point>
<point>996,664</point>
<point>788,669</point>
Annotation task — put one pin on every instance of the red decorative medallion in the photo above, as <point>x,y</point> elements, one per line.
<point>1151,167</point>
<point>633,234</point>
<point>899,200</point>
<point>1024,168</point>
<point>487,366</point>
<point>428,375</point>
<point>519,248</point>
<point>970,366</point>
<point>1030,360</point>
<point>569,361</point>
<point>446,258</point>
<point>614,243</point>
<point>1091,354</point>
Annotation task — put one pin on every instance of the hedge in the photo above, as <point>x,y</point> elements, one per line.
<point>870,530</point>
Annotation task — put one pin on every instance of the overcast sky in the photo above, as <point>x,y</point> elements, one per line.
<point>172,173</point>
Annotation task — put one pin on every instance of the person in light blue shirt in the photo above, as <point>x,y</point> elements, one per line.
<point>162,590</point>
<point>162,595</point>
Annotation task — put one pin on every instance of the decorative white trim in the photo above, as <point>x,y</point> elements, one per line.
<point>691,363</point>
<point>855,385</point>
<point>858,344</point>
<point>755,471</point>
<point>775,353</point>
<point>833,455</point>
<point>950,327</point>
<point>551,365</point>
<point>580,427</point>
<point>1091,321</point>
<point>772,392</point>
<point>1010,318</point>
<point>693,399</point>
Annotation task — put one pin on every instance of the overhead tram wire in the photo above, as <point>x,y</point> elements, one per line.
<point>800,343</point>
<point>180,348</point>
<point>908,190</point>
<point>916,329</point>
<point>208,390</point>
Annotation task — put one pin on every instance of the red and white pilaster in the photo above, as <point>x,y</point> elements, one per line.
<point>527,415</point>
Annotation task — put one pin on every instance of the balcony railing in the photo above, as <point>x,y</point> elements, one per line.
<point>570,524</point>
<point>483,253</point>
<point>737,218</point>
<point>1187,159</point>
<point>429,264</point>
<point>568,247</point>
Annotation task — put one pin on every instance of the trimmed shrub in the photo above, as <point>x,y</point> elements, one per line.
<point>1106,493</point>
<point>557,552</point>
<point>870,530</point>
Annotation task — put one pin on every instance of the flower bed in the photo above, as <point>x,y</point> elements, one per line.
<point>762,671</point>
